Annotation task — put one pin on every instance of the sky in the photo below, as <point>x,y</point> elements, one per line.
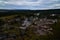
<point>30,4</point>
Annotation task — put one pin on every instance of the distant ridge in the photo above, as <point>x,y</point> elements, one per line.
<point>10,12</point>
<point>28,9</point>
<point>6,10</point>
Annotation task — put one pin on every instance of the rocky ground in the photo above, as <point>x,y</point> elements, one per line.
<point>25,28</point>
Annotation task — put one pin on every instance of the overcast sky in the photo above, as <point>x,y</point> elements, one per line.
<point>30,4</point>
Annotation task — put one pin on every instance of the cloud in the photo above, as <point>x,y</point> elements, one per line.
<point>30,4</point>
<point>23,2</point>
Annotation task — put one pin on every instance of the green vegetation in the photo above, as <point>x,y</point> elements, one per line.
<point>29,32</point>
